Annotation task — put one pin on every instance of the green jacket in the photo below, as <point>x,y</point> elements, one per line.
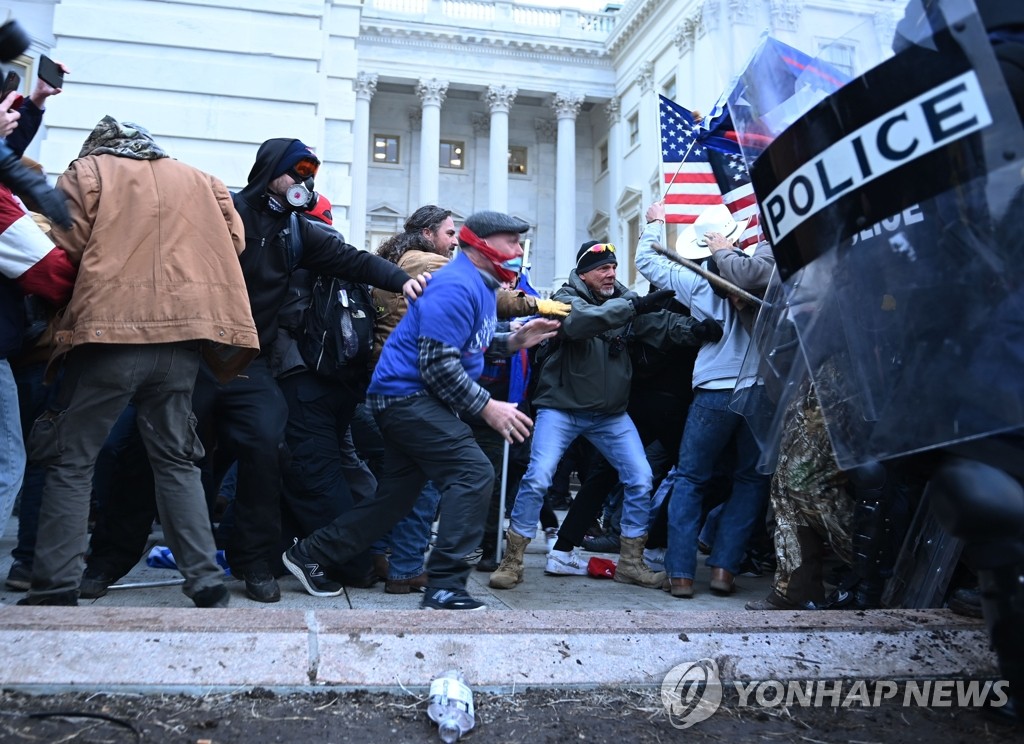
<point>587,367</point>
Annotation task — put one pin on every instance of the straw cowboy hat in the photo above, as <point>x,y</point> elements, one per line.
<point>693,244</point>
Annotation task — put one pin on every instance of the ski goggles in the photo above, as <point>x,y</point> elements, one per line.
<point>306,168</point>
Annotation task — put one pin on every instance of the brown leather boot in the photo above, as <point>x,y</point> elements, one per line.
<point>682,588</point>
<point>722,582</point>
<point>405,586</point>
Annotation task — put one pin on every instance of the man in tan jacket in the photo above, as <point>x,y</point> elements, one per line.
<point>159,285</point>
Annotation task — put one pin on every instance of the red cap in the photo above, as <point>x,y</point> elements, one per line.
<point>322,210</point>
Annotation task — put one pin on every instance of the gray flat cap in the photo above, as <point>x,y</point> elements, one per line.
<point>488,223</point>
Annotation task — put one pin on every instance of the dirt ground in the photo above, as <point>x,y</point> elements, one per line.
<point>534,717</point>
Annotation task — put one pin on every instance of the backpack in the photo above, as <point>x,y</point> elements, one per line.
<point>337,330</point>
<point>335,335</point>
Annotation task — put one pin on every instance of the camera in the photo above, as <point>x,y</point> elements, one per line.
<point>13,40</point>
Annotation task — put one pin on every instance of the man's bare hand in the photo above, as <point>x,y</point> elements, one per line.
<point>9,118</point>
<point>717,242</point>
<point>415,286</point>
<point>507,420</point>
<point>532,333</point>
<point>656,211</point>
<point>44,90</point>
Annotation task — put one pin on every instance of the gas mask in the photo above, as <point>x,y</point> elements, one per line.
<point>301,196</point>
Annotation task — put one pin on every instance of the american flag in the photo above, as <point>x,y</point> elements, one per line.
<point>737,192</point>
<point>692,189</point>
<point>29,257</point>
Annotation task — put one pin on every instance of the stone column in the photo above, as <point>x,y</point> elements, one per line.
<point>365,86</point>
<point>650,135</point>
<point>499,100</point>
<point>613,109</point>
<point>432,94</point>
<point>567,108</point>
<point>543,251</point>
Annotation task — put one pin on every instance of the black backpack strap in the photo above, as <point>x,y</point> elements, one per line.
<point>293,242</point>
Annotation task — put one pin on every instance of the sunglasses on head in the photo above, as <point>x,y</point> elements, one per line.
<point>306,168</point>
<point>599,248</point>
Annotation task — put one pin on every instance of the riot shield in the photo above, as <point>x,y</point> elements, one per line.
<point>772,373</point>
<point>895,211</point>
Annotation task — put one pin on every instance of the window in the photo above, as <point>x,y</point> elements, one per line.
<point>602,157</point>
<point>453,154</point>
<point>517,160</point>
<point>385,148</point>
<point>633,126</point>
<point>23,66</point>
<point>669,88</point>
<point>837,54</point>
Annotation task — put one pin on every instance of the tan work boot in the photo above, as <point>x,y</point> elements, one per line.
<point>510,572</point>
<point>631,568</point>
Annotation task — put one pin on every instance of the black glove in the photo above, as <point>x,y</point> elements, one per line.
<point>33,188</point>
<point>707,331</point>
<point>652,302</point>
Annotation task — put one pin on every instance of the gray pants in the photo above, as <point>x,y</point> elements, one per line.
<point>99,382</point>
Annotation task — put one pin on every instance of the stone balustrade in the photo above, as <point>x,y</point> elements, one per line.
<point>500,14</point>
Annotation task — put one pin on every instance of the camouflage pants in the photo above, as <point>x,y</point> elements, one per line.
<point>808,490</point>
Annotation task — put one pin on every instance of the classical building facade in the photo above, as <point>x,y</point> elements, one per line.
<point>548,114</point>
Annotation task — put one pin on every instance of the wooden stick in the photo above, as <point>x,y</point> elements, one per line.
<point>712,278</point>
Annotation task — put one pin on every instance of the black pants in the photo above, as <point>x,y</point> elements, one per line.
<point>319,413</point>
<point>425,441</point>
<point>126,501</point>
<point>247,416</point>
<point>493,445</point>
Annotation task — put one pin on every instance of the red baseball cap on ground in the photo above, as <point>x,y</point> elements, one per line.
<point>601,568</point>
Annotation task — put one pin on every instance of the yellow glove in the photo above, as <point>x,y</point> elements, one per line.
<point>553,308</point>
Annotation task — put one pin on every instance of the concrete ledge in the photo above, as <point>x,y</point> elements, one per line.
<point>188,650</point>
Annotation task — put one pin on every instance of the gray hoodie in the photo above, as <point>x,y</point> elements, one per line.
<point>719,361</point>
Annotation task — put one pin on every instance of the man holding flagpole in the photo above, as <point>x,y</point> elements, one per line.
<point>711,428</point>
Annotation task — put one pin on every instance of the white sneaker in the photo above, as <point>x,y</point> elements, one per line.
<point>551,536</point>
<point>565,563</point>
<point>655,559</point>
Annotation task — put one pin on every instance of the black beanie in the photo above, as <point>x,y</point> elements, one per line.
<point>587,259</point>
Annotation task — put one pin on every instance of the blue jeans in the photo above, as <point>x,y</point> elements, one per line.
<point>710,428</point>
<point>615,437</point>
<point>12,447</point>
<point>410,538</point>
<point>33,398</point>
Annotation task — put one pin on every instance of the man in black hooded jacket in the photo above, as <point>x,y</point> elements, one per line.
<point>247,415</point>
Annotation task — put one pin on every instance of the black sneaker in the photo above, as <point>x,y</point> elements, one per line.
<point>309,573</point>
<point>19,578</point>
<point>95,584</point>
<point>60,599</point>
<point>212,596</point>
<point>487,564</point>
<point>260,584</point>
<point>449,599</point>
<point>603,544</point>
